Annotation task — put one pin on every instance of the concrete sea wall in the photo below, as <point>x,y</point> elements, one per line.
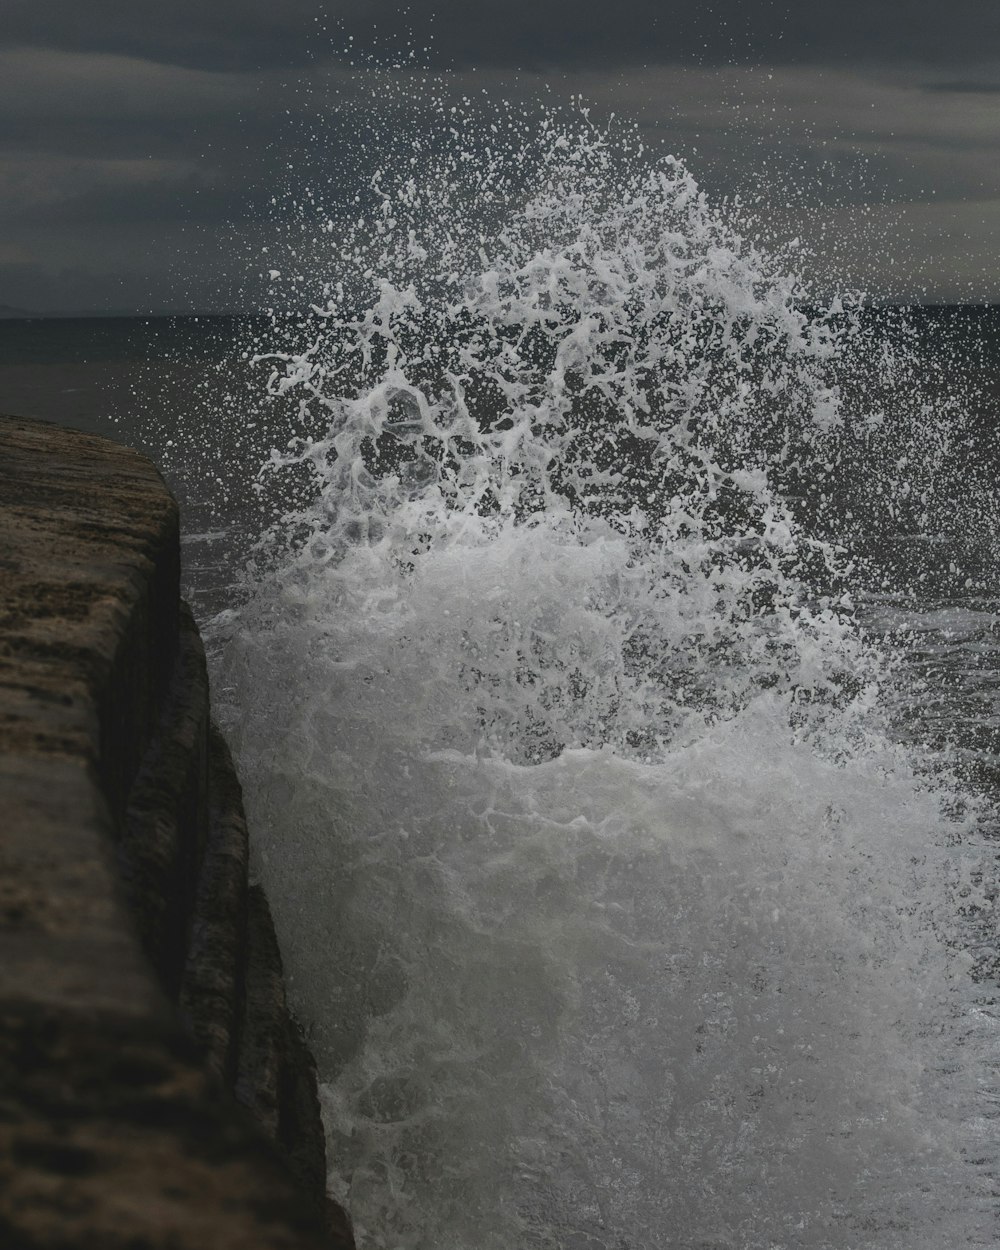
<point>154,1090</point>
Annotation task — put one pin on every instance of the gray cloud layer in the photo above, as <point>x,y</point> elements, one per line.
<point>138,140</point>
<point>249,34</point>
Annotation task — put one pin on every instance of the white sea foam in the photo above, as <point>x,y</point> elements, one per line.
<point>615,915</point>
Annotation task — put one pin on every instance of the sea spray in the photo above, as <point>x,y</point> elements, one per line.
<point>615,914</point>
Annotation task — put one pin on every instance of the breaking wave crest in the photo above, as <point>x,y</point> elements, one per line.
<point>618,915</point>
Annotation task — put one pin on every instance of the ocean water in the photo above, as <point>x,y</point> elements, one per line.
<point>605,624</point>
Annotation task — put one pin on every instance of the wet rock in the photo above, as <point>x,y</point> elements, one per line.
<point>140,980</point>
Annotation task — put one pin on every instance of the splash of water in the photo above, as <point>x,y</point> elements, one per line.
<point>616,916</point>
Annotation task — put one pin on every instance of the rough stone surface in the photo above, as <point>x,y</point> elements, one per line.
<point>213,985</point>
<point>113,1136</point>
<point>139,975</point>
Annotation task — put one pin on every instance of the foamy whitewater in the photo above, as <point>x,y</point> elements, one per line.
<point>617,911</point>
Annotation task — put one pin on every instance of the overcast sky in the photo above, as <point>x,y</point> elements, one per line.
<point>141,140</point>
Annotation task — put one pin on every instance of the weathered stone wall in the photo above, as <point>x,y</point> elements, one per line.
<point>141,992</point>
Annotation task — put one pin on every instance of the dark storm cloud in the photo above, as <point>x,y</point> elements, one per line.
<point>115,169</point>
<point>247,34</point>
<point>123,198</point>
<point>216,34</point>
<point>106,105</point>
<point>964,88</point>
<point>138,139</point>
<point>536,33</point>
